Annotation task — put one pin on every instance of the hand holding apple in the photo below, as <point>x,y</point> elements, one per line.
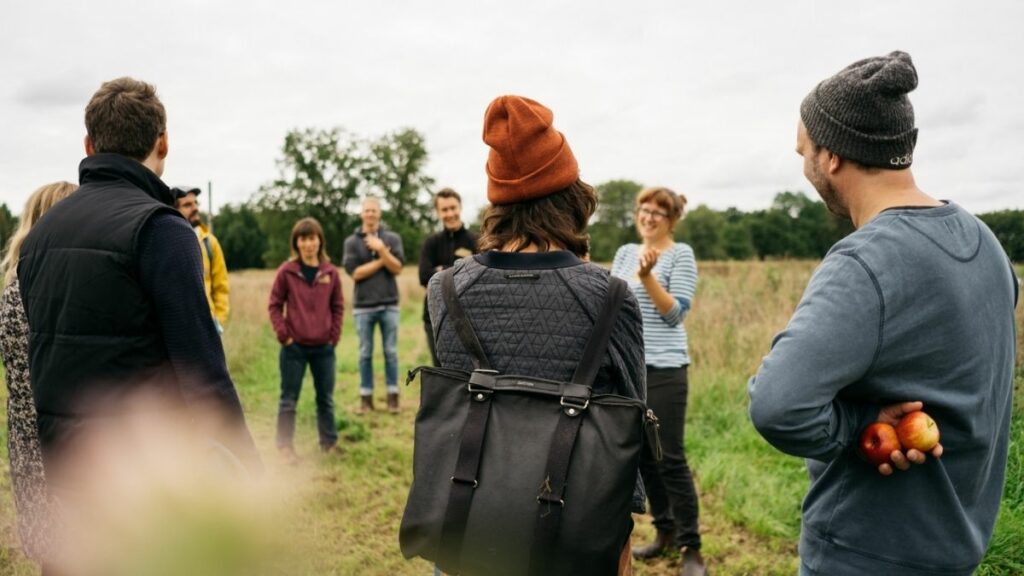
<point>903,457</point>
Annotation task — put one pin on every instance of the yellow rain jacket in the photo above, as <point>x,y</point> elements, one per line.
<point>215,274</point>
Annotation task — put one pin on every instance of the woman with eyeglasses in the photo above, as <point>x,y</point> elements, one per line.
<point>663,275</point>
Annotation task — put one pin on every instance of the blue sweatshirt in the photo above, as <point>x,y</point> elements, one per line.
<point>916,305</point>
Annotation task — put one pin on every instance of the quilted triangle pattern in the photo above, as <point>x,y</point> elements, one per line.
<point>538,327</point>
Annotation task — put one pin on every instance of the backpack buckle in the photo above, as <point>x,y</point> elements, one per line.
<point>572,406</point>
<point>481,384</point>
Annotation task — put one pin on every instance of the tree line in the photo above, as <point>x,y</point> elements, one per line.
<point>325,173</point>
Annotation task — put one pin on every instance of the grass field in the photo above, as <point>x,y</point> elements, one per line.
<point>341,513</point>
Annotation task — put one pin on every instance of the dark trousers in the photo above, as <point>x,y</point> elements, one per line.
<point>293,360</point>
<point>429,329</point>
<point>669,483</point>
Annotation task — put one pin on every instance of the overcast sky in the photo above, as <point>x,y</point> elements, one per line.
<point>700,96</point>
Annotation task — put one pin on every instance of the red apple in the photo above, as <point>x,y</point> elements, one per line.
<point>917,430</point>
<point>877,442</point>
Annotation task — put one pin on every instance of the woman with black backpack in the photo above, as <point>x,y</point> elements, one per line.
<point>532,301</point>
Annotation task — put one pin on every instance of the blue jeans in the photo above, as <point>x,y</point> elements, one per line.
<point>293,360</point>
<point>365,321</point>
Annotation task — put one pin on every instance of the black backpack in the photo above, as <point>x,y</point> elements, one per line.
<point>518,475</point>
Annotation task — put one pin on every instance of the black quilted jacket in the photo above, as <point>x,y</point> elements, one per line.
<point>533,314</point>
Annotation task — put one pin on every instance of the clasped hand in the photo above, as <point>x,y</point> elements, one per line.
<point>891,415</point>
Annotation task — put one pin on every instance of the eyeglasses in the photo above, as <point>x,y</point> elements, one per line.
<point>652,214</point>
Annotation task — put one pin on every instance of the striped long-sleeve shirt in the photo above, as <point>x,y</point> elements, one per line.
<point>665,343</point>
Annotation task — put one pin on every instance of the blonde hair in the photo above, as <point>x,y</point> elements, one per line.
<point>38,203</point>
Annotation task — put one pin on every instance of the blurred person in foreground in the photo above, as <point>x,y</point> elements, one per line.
<point>38,513</point>
<point>373,257</point>
<point>120,328</point>
<point>306,307</point>
<point>914,309</point>
<point>215,269</point>
<point>532,242</point>
<point>441,249</point>
<point>663,275</point>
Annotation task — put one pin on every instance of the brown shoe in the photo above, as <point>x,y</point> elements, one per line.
<point>365,405</point>
<point>393,402</point>
<point>693,562</point>
<point>662,543</point>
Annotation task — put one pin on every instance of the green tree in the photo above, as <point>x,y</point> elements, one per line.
<point>395,168</point>
<point>795,227</point>
<point>240,236</point>
<point>8,224</point>
<point>772,234</point>
<point>1008,226</point>
<point>702,229</point>
<point>321,174</point>
<point>613,224</point>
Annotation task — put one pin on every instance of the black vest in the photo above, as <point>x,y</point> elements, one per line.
<point>94,337</point>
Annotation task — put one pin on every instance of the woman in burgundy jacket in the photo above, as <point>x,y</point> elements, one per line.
<point>306,307</point>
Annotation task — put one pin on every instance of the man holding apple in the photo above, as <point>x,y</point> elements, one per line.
<point>913,311</point>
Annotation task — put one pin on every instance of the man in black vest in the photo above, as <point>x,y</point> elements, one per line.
<point>112,284</point>
<point>441,250</point>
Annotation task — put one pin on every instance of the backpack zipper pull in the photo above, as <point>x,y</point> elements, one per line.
<point>412,375</point>
<point>651,427</point>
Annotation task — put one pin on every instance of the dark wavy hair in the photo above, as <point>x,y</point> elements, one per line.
<point>558,219</point>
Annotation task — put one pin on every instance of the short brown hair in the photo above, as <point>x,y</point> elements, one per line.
<point>308,227</point>
<point>672,203</point>
<point>125,117</point>
<point>447,193</point>
<point>560,218</point>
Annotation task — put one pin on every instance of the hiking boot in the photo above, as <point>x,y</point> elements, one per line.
<point>393,402</point>
<point>365,405</point>
<point>662,543</point>
<point>693,562</point>
<point>289,456</point>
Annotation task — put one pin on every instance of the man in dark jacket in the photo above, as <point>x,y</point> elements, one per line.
<point>442,249</point>
<point>373,258</point>
<point>112,283</point>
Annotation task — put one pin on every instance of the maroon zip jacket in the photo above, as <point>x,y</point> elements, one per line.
<point>309,314</point>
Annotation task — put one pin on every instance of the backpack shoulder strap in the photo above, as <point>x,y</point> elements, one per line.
<point>209,252</point>
<point>463,327</point>
<point>590,363</point>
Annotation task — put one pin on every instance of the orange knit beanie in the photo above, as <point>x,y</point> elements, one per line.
<point>528,159</point>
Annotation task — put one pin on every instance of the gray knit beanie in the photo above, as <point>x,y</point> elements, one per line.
<point>863,113</point>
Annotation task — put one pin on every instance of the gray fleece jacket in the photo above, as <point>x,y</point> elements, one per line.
<point>916,305</point>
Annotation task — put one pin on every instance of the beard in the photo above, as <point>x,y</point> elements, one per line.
<point>828,193</point>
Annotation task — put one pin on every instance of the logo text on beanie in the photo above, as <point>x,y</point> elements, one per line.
<point>901,160</point>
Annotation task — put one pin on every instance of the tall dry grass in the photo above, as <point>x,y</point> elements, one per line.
<point>343,511</point>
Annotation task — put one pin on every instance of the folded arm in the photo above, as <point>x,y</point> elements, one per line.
<point>830,343</point>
